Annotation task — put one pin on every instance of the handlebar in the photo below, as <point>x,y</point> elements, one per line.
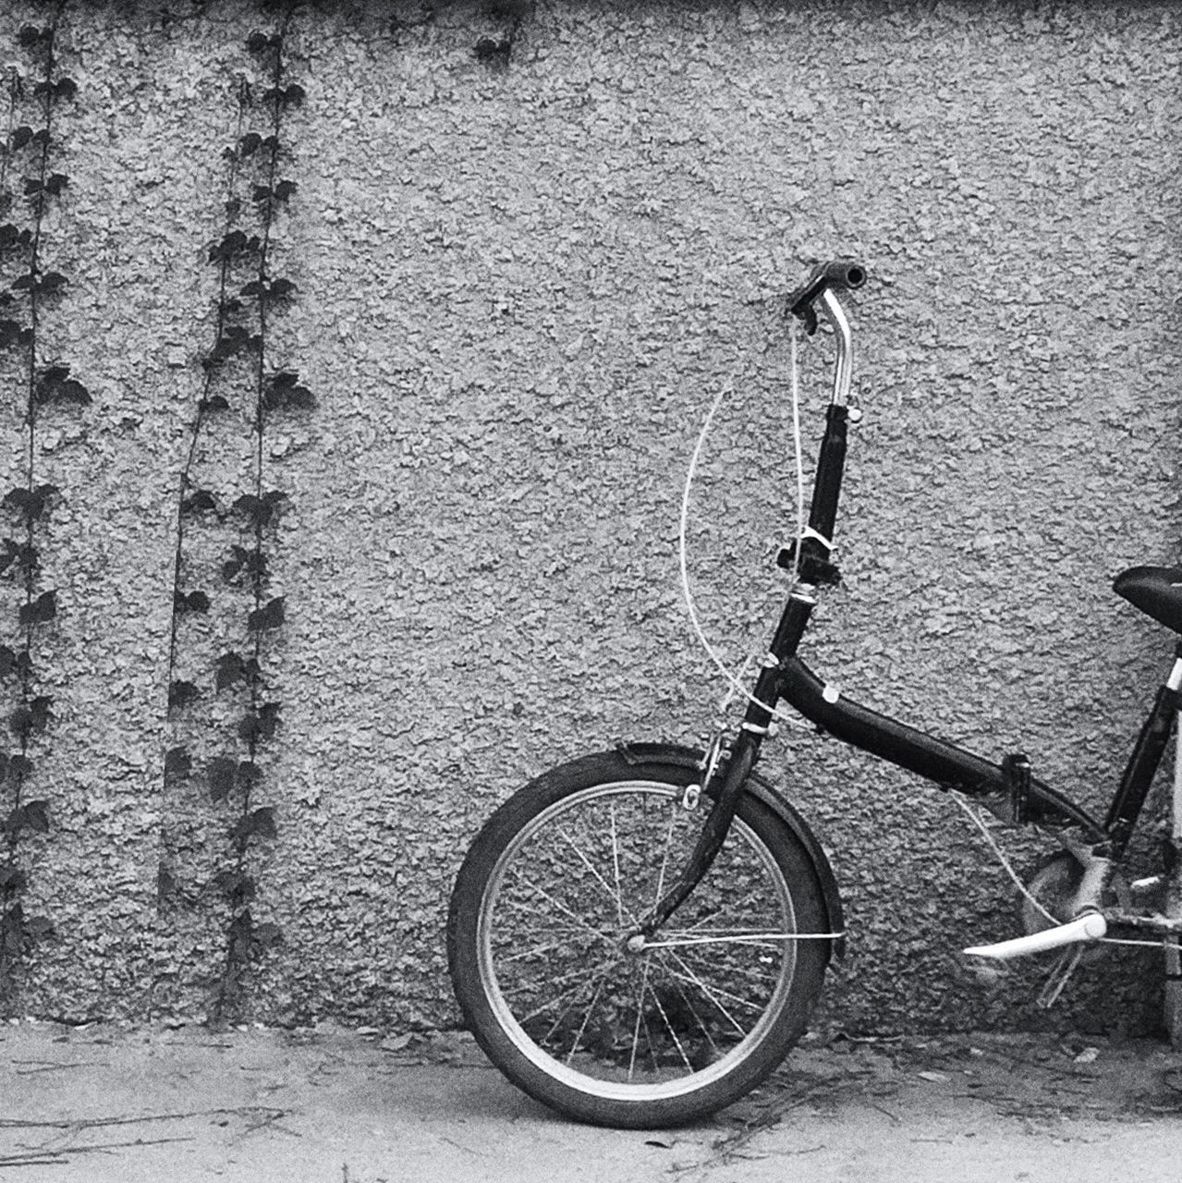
<point>838,275</point>
<point>821,288</point>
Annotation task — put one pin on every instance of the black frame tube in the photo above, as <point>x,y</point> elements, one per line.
<point>950,766</point>
<point>1141,769</point>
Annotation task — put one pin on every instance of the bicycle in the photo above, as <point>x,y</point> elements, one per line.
<point>637,937</point>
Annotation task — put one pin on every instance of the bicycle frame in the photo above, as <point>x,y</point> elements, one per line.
<point>1007,786</point>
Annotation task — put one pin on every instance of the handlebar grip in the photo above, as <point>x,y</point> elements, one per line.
<point>845,273</point>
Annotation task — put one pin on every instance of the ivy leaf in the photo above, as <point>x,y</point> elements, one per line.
<point>260,724</point>
<point>8,662</point>
<point>196,601</point>
<point>249,774</point>
<point>489,50</point>
<point>242,560</point>
<point>33,815</point>
<point>249,144</point>
<point>31,716</point>
<point>216,402</point>
<point>269,290</point>
<point>32,503</point>
<point>12,877</point>
<point>32,35</point>
<point>229,670</point>
<point>234,339</point>
<point>177,762</point>
<point>52,184</point>
<point>181,693</point>
<point>63,88</point>
<point>56,385</point>
<point>12,933</point>
<point>269,616</point>
<point>237,886</point>
<point>13,335</point>
<point>290,95</point>
<point>199,501</point>
<point>221,772</point>
<point>260,510</point>
<point>39,611</point>
<point>284,391</point>
<point>21,137</point>
<point>20,768</point>
<point>261,823</point>
<point>281,192</point>
<point>268,935</point>
<point>38,927</point>
<point>37,816</point>
<point>232,667</point>
<point>234,245</point>
<point>12,238</point>
<point>40,285</point>
<point>22,556</point>
<point>259,42</point>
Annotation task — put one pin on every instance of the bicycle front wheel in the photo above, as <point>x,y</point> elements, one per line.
<point>640,1035</point>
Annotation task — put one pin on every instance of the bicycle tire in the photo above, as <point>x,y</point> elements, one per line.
<point>644,1039</point>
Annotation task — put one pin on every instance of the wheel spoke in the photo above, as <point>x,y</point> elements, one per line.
<point>551,984</point>
<point>715,994</point>
<point>537,950</point>
<point>616,867</point>
<point>530,885</point>
<point>760,939</point>
<point>586,1019</point>
<point>613,895</point>
<point>639,1018</point>
<point>673,1034</point>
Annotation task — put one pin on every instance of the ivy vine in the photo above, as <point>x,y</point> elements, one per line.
<point>239,376</point>
<point>29,290</point>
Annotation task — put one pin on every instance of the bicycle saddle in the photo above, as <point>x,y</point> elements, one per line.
<point>1157,591</point>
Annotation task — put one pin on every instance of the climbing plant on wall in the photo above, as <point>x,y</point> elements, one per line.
<point>240,380</point>
<point>30,289</point>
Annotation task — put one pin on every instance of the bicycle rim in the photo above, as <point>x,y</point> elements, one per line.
<point>686,1011</point>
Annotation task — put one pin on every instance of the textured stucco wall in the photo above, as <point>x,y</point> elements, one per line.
<point>519,289</point>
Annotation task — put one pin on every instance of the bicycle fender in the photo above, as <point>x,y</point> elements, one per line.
<point>769,795</point>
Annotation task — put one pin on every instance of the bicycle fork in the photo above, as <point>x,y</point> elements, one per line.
<point>714,829</point>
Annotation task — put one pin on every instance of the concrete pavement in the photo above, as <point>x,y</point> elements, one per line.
<point>117,1103</point>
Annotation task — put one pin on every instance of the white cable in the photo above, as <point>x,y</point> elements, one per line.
<point>1001,858</point>
<point>682,548</point>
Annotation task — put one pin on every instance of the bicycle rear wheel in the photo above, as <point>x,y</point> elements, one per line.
<point>633,1037</point>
